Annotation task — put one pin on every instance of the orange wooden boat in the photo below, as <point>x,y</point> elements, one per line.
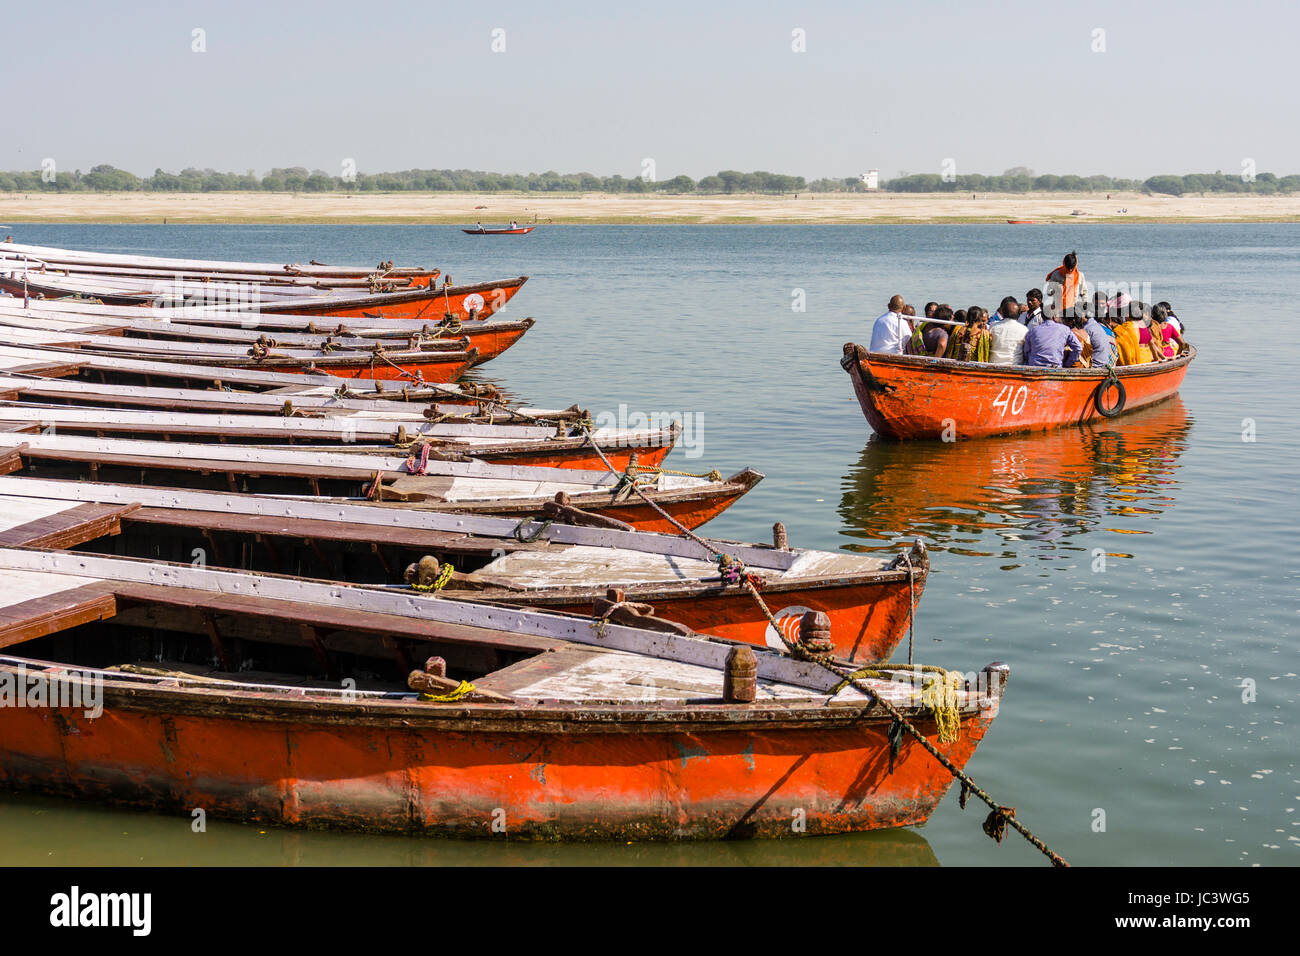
<point>462,302</point>
<point>908,397</point>
<point>565,567</point>
<point>870,608</point>
<point>474,487</point>
<point>522,725</point>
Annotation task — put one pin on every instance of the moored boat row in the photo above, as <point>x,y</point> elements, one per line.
<point>408,602</point>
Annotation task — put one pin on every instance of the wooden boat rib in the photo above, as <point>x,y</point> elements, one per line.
<point>460,486</point>
<point>868,599</point>
<point>609,732</point>
<point>908,397</point>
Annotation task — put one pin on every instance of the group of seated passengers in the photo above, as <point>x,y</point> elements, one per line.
<point>1084,333</point>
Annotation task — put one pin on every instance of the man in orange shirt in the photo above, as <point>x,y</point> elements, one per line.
<point>1066,288</point>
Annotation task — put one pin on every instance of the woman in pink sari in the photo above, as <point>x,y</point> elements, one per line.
<point>1160,336</point>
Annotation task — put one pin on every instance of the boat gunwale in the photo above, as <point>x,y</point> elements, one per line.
<point>169,696</point>
<point>957,367</point>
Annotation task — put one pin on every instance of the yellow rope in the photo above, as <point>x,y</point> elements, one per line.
<point>713,475</point>
<point>452,695</point>
<point>941,697</point>
<point>938,694</point>
<point>443,577</point>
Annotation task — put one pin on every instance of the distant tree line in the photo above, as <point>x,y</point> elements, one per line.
<point>1022,180</point>
<point>298,179</point>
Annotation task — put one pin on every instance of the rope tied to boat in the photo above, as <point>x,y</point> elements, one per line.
<point>713,475</point>
<point>379,353</point>
<point>438,583</point>
<point>421,466</point>
<point>826,661</point>
<point>911,612</point>
<point>533,535</point>
<point>451,696</point>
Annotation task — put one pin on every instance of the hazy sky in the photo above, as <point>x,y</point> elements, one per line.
<point>697,87</point>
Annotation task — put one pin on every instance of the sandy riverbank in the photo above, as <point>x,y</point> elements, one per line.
<point>606,208</point>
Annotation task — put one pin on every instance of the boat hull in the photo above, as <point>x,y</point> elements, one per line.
<point>463,303</point>
<point>580,773</point>
<point>912,397</point>
<point>426,303</point>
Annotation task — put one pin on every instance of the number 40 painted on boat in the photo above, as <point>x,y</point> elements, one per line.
<point>1016,401</point>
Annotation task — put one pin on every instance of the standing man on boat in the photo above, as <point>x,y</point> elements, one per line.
<point>892,330</point>
<point>1066,287</point>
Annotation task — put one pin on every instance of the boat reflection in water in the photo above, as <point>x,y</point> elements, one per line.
<point>95,835</point>
<point>974,497</point>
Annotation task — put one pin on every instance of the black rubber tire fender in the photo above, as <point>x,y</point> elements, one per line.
<point>1099,397</point>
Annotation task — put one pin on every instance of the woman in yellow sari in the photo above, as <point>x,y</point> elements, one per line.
<point>1129,349</point>
<point>973,341</point>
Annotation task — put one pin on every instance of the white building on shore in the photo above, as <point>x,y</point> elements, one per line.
<point>871,179</point>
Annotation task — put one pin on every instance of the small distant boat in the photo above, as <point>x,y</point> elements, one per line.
<point>516,231</point>
<point>1020,222</point>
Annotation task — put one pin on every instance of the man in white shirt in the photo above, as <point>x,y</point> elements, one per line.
<point>892,330</point>
<point>1008,346</point>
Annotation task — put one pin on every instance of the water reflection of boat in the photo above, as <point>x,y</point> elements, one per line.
<point>22,815</point>
<point>1045,487</point>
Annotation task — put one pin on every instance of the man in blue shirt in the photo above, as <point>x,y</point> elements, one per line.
<point>1103,342</point>
<point>1050,344</point>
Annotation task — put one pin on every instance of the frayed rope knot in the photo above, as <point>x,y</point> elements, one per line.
<point>995,824</point>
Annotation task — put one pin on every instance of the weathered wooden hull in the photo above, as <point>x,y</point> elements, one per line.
<point>462,302</point>
<point>691,509</point>
<point>912,397</point>
<point>576,773</point>
<point>466,302</point>
<point>579,455</point>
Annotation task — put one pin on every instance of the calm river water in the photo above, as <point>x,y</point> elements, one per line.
<point>1157,696</point>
